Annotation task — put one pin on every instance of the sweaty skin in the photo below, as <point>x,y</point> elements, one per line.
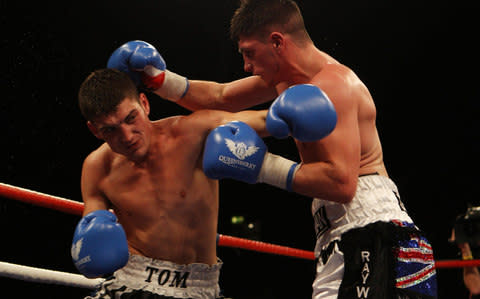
<point>331,166</point>
<point>150,174</point>
<point>354,146</point>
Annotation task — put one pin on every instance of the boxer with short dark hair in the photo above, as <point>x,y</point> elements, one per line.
<point>354,198</point>
<point>161,237</point>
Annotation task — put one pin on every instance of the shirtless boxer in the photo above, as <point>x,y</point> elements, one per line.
<point>150,174</point>
<point>367,245</point>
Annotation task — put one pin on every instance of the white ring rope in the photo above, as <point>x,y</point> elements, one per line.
<point>47,276</point>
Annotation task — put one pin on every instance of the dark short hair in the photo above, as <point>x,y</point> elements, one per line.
<point>103,90</point>
<point>255,17</point>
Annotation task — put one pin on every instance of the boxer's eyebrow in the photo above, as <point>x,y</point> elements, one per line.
<point>109,126</point>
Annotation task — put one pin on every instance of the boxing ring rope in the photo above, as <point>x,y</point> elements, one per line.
<point>76,208</point>
<point>32,274</point>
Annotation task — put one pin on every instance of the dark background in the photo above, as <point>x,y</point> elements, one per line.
<point>417,58</point>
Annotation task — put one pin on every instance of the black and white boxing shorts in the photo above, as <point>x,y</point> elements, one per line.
<point>148,278</point>
<point>370,248</point>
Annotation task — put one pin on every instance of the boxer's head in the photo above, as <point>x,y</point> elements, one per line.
<point>116,112</point>
<point>262,28</point>
<point>103,90</point>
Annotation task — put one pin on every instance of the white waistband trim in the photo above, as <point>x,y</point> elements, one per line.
<point>376,199</point>
<point>140,270</point>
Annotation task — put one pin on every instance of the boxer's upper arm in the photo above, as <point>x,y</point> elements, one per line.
<point>91,177</point>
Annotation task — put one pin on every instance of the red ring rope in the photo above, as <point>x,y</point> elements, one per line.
<point>457,263</point>
<point>41,199</point>
<point>235,242</point>
<point>75,207</point>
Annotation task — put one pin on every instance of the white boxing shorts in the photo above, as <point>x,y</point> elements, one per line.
<point>370,248</point>
<point>144,277</point>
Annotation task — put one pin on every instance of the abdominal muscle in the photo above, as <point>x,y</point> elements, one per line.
<point>169,221</point>
<point>176,243</point>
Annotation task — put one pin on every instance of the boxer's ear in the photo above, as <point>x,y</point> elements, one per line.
<point>144,103</point>
<point>277,40</point>
<point>93,129</point>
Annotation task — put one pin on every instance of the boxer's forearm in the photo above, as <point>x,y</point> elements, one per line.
<point>232,96</point>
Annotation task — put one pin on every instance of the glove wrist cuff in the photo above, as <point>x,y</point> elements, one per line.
<point>174,87</point>
<point>277,171</point>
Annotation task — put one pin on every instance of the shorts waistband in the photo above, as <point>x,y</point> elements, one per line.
<point>376,199</point>
<point>170,274</point>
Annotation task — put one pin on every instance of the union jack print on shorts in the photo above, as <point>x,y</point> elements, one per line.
<point>416,266</point>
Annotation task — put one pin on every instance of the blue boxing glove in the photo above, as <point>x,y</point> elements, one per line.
<point>144,64</point>
<point>235,151</point>
<point>99,244</point>
<point>303,111</point>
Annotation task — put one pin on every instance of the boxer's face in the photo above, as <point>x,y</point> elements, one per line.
<point>259,58</point>
<point>127,129</point>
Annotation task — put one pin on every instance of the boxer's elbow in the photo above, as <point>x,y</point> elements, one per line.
<point>346,192</point>
<point>327,181</point>
<point>343,188</point>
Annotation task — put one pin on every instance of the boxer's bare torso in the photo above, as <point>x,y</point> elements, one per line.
<point>165,203</point>
<point>150,174</point>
